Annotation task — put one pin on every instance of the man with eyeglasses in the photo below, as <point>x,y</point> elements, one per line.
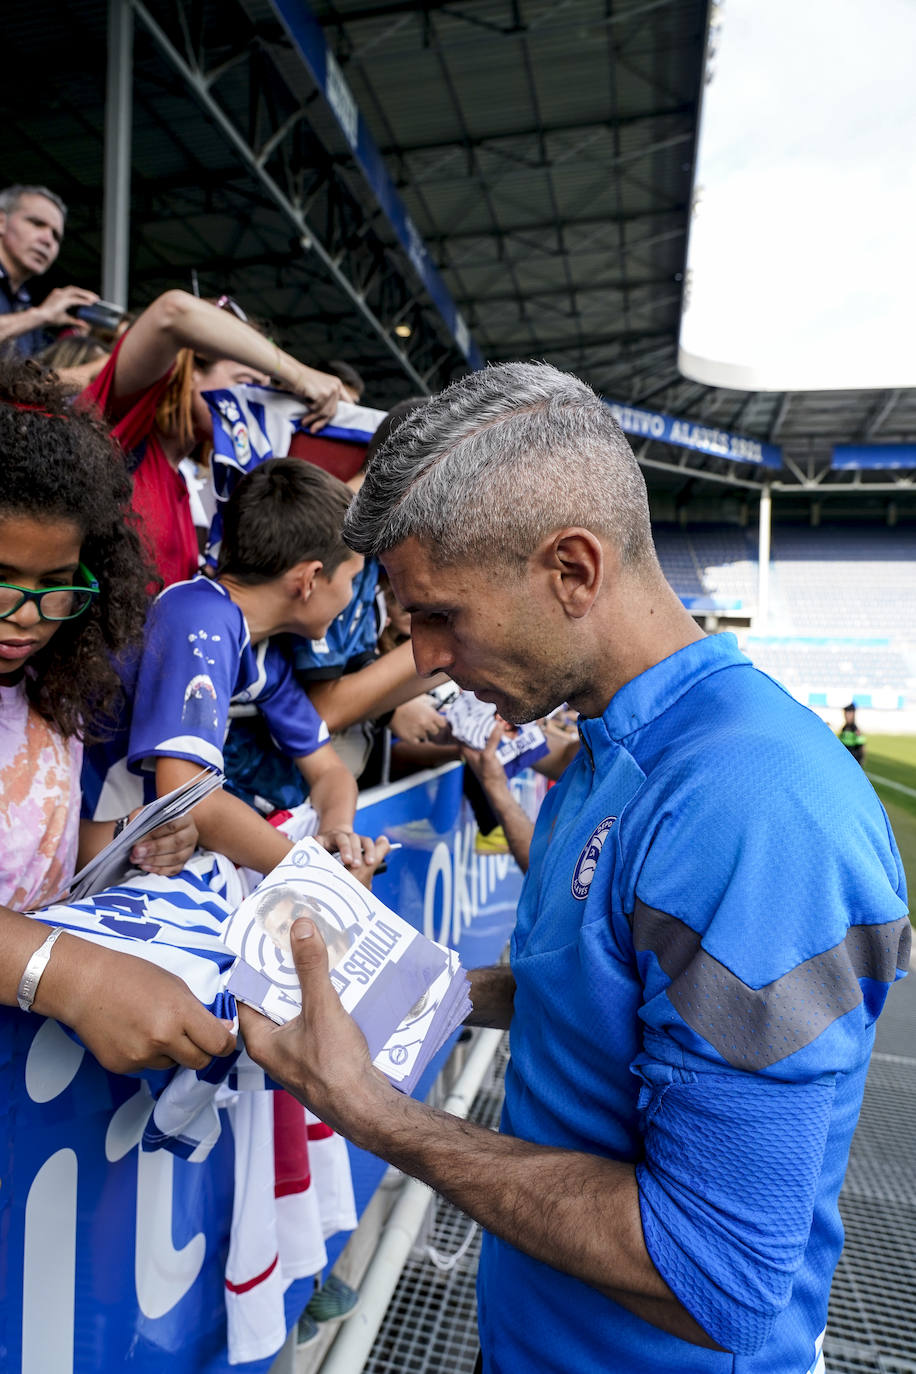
<point>31,232</point>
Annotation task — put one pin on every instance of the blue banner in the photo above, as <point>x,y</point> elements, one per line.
<point>692,434</point>
<point>711,603</point>
<point>114,1258</point>
<point>308,38</point>
<point>884,456</point>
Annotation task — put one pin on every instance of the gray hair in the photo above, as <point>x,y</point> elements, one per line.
<point>488,468</point>
<point>12,195</point>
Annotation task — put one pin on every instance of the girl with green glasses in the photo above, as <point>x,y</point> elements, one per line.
<point>73,603</point>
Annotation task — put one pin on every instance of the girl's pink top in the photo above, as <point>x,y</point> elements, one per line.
<point>39,804</point>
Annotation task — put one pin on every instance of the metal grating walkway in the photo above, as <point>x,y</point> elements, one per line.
<point>871,1329</point>
<point>431,1324</point>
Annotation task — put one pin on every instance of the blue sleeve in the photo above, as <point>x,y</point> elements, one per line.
<point>727,1192</point>
<point>767,915</point>
<point>768,910</point>
<point>295,726</point>
<point>353,635</point>
<point>109,790</point>
<point>187,678</point>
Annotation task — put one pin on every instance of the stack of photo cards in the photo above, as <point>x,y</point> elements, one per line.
<point>406,993</point>
<point>112,863</point>
<point>471,722</point>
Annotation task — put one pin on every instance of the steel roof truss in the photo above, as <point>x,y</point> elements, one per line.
<point>300,178</point>
<point>489,142</point>
<point>729,477</point>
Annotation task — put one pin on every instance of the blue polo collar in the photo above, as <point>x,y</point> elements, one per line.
<point>653,692</point>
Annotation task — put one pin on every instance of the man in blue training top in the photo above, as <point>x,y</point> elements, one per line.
<point>713,913</point>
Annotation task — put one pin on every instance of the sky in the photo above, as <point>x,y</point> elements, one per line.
<point>801,262</point>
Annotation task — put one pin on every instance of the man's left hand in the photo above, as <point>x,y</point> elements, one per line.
<point>321,1057</point>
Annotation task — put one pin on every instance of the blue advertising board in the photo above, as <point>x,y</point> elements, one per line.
<point>693,434</point>
<point>885,457</point>
<point>114,1258</point>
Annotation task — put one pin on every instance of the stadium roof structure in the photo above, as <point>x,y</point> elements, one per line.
<point>497,179</point>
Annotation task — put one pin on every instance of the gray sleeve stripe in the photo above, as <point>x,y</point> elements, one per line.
<point>754,1027</point>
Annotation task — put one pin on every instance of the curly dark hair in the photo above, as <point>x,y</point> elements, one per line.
<point>58,462</point>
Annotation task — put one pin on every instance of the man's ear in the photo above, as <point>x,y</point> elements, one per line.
<point>575,560</point>
<point>300,579</point>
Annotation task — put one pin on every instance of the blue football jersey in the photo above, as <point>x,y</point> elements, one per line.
<point>713,913</point>
<point>198,658</point>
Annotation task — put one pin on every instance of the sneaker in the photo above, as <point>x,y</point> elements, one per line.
<point>306,1329</point>
<point>494,842</point>
<point>332,1302</point>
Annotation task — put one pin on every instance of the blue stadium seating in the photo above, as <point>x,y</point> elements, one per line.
<point>842,614</point>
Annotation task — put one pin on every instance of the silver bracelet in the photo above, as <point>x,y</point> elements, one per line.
<point>31,977</point>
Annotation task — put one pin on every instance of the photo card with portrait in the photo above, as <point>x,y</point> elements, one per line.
<point>429,1022</point>
<point>471,722</point>
<point>384,970</point>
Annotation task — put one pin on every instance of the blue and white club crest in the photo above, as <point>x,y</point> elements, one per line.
<point>588,859</point>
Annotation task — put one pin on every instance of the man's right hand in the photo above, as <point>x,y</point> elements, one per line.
<point>55,308</point>
<point>128,1012</point>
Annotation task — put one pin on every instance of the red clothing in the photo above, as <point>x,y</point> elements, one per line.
<point>337,456</point>
<point>160,494</point>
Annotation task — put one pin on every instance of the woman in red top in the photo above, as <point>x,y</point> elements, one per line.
<point>150,393</point>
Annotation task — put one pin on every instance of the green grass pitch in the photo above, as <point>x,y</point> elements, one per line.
<point>893,757</point>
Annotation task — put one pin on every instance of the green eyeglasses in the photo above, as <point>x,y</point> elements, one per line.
<point>54,603</point>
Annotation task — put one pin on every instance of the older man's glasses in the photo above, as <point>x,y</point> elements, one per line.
<point>53,603</point>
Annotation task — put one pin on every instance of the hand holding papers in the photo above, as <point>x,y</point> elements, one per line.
<point>111,863</point>
<point>406,993</point>
<point>471,722</point>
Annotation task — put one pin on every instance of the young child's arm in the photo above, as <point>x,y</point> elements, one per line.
<point>300,732</point>
<point>517,825</point>
<point>562,752</point>
<point>164,850</point>
<point>372,691</point>
<point>333,793</point>
<point>225,823</point>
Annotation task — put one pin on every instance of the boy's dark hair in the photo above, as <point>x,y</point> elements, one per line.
<point>60,463</point>
<point>347,374</point>
<point>285,512</point>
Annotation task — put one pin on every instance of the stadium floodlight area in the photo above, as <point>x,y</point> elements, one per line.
<point>799,262</point>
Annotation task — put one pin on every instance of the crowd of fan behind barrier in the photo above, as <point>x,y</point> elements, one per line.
<point>147,372</point>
